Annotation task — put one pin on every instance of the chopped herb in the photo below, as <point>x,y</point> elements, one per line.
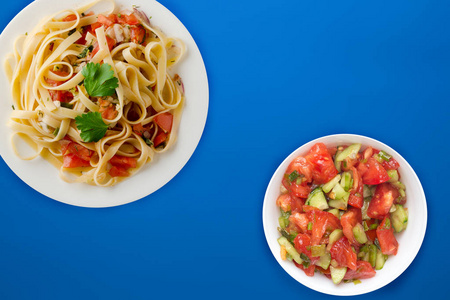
<point>56,131</point>
<point>67,105</point>
<point>377,243</point>
<point>13,107</point>
<point>306,260</point>
<point>147,141</point>
<point>384,155</point>
<point>293,176</point>
<point>85,51</point>
<point>99,79</point>
<point>91,126</point>
<point>82,14</point>
<point>119,15</point>
<point>72,31</point>
<point>172,61</point>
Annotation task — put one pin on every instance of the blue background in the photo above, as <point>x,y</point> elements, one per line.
<point>281,73</point>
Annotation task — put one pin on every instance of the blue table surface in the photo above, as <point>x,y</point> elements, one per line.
<point>281,73</point>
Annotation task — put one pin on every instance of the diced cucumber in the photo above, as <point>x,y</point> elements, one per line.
<point>393,175</point>
<point>364,253</point>
<point>380,260</point>
<point>360,235</point>
<point>372,254</point>
<point>317,199</point>
<point>339,193</point>
<point>367,192</point>
<point>351,151</point>
<point>346,181</point>
<point>334,237</point>
<point>318,250</point>
<point>337,274</point>
<point>337,164</point>
<point>282,222</point>
<point>399,218</point>
<point>290,249</point>
<point>324,261</point>
<point>398,185</point>
<point>335,212</point>
<point>364,209</point>
<point>339,204</point>
<point>330,184</point>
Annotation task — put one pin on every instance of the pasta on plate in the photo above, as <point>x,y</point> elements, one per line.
<point>93,94</point>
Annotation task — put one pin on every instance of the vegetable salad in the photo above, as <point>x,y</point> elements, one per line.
<point>341,209</point>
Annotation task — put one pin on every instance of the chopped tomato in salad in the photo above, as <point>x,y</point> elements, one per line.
<point>340,210</point>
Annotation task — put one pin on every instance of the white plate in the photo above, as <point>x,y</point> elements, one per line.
<point>409,240</point>
<point>43,177</point>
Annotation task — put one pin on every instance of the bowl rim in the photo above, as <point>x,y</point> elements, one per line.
<point>354,290</point>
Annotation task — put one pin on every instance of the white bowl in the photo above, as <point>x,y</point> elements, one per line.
<point>409,240</point>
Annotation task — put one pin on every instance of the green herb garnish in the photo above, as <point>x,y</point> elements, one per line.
<point>99,80</point>
<point>85,51</point>
<point>91,126</point>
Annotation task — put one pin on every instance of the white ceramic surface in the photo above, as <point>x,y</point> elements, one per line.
<point>409,240</point>
<point>43,177</point>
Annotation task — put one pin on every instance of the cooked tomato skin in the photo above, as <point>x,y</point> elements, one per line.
<point>164,121</point>
<point>123,161</point>
<point>118,172</point>
<point>138,34</point>
<point>382,200</point>
<point>363,270</point>
<point>74,154</point>
<point>323,166</point>
<point>160,138</point>
<point>71,160</point>
<point>372,172</point>
<point>386,237</point>
<point>342,252</point>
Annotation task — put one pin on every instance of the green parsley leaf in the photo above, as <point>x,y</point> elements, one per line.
<point>99,80</point>
<point>92,126</point>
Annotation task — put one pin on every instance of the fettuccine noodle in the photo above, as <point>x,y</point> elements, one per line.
<point>49,92</point>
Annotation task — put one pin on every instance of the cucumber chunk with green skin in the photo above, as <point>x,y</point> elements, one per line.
<point>393,175</point>
<point>290,249</point>
<point>324,261</point>
<point>350,151</point>
<point>330,184</point>
<point>317,199</point>
<point>337,274</point>
<point>373,250</point>
<point>380,260</point>
<point>399,218</point>
<point>337,164</point>
<point>346,181</point>
<point>360,235</point>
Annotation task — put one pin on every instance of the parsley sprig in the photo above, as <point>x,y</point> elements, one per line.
<point>99,80</point>
<point>91,126</point>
